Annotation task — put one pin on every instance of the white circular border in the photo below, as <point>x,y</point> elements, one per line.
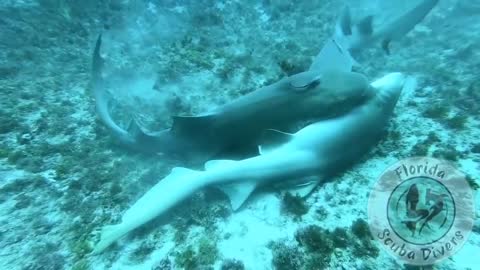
<point>454,181</point>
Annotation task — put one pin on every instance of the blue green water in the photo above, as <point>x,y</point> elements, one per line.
<point>66,171</point>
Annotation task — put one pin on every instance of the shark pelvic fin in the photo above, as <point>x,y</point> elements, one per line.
<point>304,189</point>
<point>272,139</point>
<point>238,193</point>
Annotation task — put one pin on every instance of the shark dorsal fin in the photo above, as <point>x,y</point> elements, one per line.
<point>272,139</point>
<point>333,56</point>
<point>385,46</point>
<point>345,23</point>
<point>364,27</point>
<point>304,80</point>
<point>217,163</point>
<point>238,193</point>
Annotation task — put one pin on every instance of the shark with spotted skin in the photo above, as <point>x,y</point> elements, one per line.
<point>311,155</point>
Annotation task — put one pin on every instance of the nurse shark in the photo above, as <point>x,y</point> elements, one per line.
<point>327,89</point>
<point>309,156</point>
<point>238,124</point>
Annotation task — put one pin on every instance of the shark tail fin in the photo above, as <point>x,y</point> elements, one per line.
<point>108,235</point>
<point>173,188</point>
<point>336,53</point>
<point>97,61</point>
<point>351,36</point>
<point>102,97</point>
<point>134,136</point>
<point>403,24</point>
<point>361,32</point>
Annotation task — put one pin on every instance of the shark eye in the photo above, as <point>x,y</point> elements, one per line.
<point>306,85</point>
<point>314,83</point>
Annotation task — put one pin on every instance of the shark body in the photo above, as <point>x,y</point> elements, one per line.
<point>313,153</point>
<point>355,38</point>
<point>238,124</point>
<point>327,89</point>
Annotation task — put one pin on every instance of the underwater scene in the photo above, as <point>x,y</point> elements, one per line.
<point>228,134</point>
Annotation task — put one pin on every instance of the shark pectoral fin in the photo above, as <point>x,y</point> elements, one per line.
<point>272,139</point>
<point>238,193</point>
<point>217,163</point>
<point>303,190</point>
<point>304,81</point>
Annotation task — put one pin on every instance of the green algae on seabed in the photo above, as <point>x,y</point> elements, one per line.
<point>204,254</point>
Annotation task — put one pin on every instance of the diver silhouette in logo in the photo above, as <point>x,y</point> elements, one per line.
<point>422,214</point>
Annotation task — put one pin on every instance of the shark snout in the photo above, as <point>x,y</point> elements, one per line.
<point>390,81</point>
<point>389,88</point>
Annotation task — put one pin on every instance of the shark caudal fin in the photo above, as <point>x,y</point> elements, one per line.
<point>108,235</point>
<point>336,54</point>
<point>405,23</point>
<point>179,184</point>
<point>135,136</point>
<point>102,98</point>
<point>353,37</point>
<point>97,61</point>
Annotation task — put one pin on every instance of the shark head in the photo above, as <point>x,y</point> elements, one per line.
<point>389,88</point>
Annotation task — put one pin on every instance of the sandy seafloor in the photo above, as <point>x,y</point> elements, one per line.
<point>62,177</point>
